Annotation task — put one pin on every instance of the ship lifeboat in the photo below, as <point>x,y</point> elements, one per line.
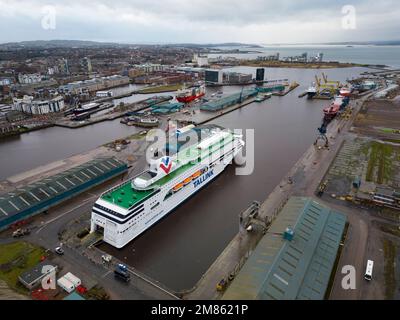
<point>196,174</point>
<point>187,181</point>
<point>178,187</point>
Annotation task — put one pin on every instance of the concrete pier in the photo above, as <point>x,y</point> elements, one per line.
<point>303,179</point>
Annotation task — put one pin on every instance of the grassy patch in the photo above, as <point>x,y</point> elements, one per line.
<point>389,250</point>
<point>16,258</point>
<point>97,293</point>
<point>379,167</point>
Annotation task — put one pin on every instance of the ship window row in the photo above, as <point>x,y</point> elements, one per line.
<point>121,216</point>
<point>119,221</point>
<point>125,230</point>
<point>155,206</point>
<point>133,222</point>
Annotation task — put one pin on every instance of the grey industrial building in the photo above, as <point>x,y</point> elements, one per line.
<point>39,196</point>
<point>294,265</point>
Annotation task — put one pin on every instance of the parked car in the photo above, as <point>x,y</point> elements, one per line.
<point>59,251</point>
<point>20,232</point>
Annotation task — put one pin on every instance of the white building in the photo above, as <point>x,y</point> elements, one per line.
<point>200,59</point>
<point>28,105</point>
<point>5,82</point>
<point>150,67</point>
<point>95,84</point>
<point>29,78</point>
<point>104,94</point>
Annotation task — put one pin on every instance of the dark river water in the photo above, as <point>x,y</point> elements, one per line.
<point>180,248</point>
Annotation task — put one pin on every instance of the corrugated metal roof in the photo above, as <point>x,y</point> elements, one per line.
<point>227,101</point>
<point>299,269</point>
<point>24,198</point>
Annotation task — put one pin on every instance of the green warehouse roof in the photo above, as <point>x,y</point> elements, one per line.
<point>279,269</point>
<point>35,197</point>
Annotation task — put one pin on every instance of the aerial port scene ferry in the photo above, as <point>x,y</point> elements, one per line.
<point>129,209</point>
<point>190,94</point>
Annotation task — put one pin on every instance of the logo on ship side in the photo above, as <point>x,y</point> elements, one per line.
<point>166,164</point>
<point>203,178</point>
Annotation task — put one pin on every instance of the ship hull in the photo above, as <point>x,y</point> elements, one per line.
<point>80,111</point>
<point>311,95</point>
<point>119,234</point>
<point>188,99</point>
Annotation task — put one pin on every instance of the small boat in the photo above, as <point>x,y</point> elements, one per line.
<point>268,95</point>
<point>259,99</point>
<point>312,91</point>
<point>148,122</point>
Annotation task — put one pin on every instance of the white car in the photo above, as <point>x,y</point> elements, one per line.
<point>59,251</point>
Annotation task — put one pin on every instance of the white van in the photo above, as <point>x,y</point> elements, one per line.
<point>74,279</point>
<point>368,271</point>
<point>66,284</point>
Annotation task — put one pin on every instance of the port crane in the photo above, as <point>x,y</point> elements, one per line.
<point>325,84</point>
<point>322,130</point>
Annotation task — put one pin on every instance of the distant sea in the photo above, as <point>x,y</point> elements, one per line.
<point>364,54</point>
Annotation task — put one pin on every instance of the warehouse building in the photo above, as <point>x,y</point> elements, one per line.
<point>296,257</point>
<point>228,101</point>
<point>95,84</point>
<point>38,197</point>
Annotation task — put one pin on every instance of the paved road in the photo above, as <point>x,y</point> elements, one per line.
<point>45,231</point>
<point>353,254</point>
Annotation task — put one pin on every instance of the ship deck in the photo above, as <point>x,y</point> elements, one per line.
<point>125,196</point>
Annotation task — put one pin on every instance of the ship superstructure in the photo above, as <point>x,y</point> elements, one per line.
<point>190,94</point>
<point>129,209</point>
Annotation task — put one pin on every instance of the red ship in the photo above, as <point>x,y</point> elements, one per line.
<point>190,94</point>
<point>345,92</point>
<point>332,110</point>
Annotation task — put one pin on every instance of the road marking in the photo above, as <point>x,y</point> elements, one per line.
<point>106,274</point>
<point>63,214</point>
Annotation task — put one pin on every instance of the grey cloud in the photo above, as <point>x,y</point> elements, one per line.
<point>201,20</point>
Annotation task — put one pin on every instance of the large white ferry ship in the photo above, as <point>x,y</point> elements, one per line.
<point>127,210</point>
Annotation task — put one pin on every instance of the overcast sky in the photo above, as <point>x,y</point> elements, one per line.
<point>199,21</point>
